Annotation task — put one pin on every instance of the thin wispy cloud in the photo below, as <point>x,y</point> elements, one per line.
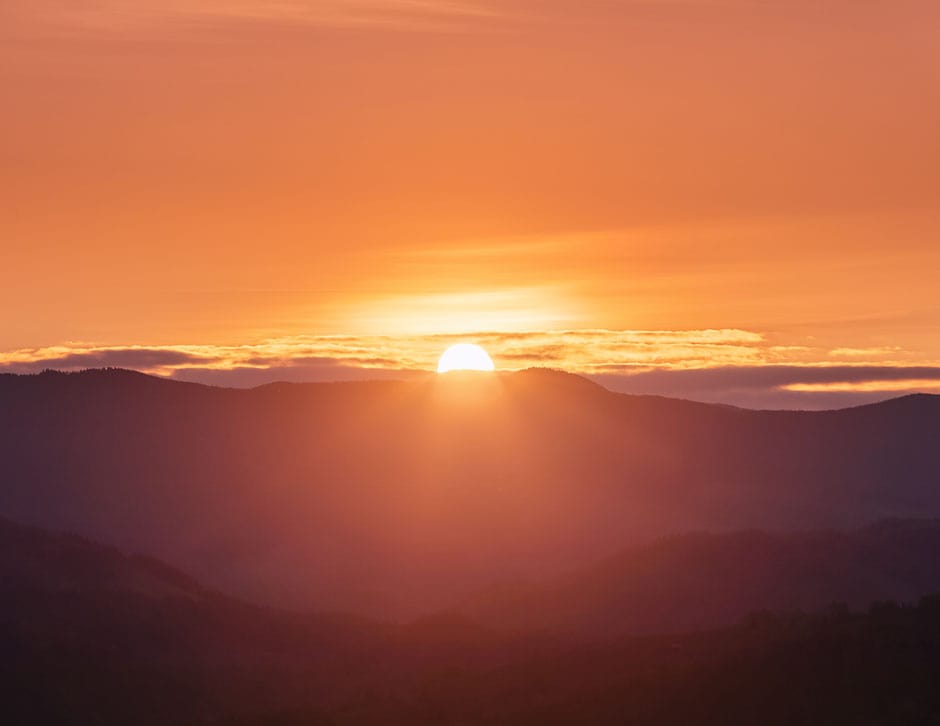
<point>118,15</point>
<point>406,15</point>
<point>819,386</point>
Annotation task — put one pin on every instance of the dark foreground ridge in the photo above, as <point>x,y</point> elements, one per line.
<point>394,499</point>
<point>698,581</point>
<point>90,636</point>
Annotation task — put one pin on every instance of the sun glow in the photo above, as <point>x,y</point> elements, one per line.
<point>465,357</point>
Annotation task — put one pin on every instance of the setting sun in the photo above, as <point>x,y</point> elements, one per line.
<point>465,357</point>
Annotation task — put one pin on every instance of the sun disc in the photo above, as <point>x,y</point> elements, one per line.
<point>465,357</point>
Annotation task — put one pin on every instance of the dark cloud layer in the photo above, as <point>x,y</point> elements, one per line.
<point>133,358</point>
<point>765,386</point>
<point>246,377</point>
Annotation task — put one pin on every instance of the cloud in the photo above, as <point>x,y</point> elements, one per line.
<point>774,376</point>
<point>814,387</point>
<point>325,371</point>
<point>122,16</point>
<point>732,366</point>
<point>137,358</point>
<point>589,350</point>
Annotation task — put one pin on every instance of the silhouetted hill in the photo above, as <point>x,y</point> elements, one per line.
<point>90,635</point>
<point>398,498</point>
<point>33,558</point>
<point>83,643</point>
<point>698,581</point>
<point>829,668</point>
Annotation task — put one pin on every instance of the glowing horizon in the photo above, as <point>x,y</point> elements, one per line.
<point>340,187</point>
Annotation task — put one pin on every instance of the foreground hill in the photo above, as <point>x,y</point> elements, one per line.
<point>90,636</point>
<point>398,498</point>
<point>696,581</point>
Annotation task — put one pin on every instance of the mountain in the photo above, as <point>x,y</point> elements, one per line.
<point>92,636</point>
<point>698,581</point>
<point>397,498</point>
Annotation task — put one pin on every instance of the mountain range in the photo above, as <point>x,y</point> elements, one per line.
<point>698,581</point>
<point>90,635</point>
<point>393,499</point>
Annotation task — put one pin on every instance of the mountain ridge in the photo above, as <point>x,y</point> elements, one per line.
<point>700,580</point>
<point>544,373</point>
<point>403,497</point>
<point>102,655</point>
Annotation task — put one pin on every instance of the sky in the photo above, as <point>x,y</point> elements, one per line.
<point>726,200</point>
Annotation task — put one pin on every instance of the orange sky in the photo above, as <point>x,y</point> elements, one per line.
<point>300,177</point>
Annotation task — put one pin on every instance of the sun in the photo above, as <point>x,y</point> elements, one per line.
<point>465,357</point>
